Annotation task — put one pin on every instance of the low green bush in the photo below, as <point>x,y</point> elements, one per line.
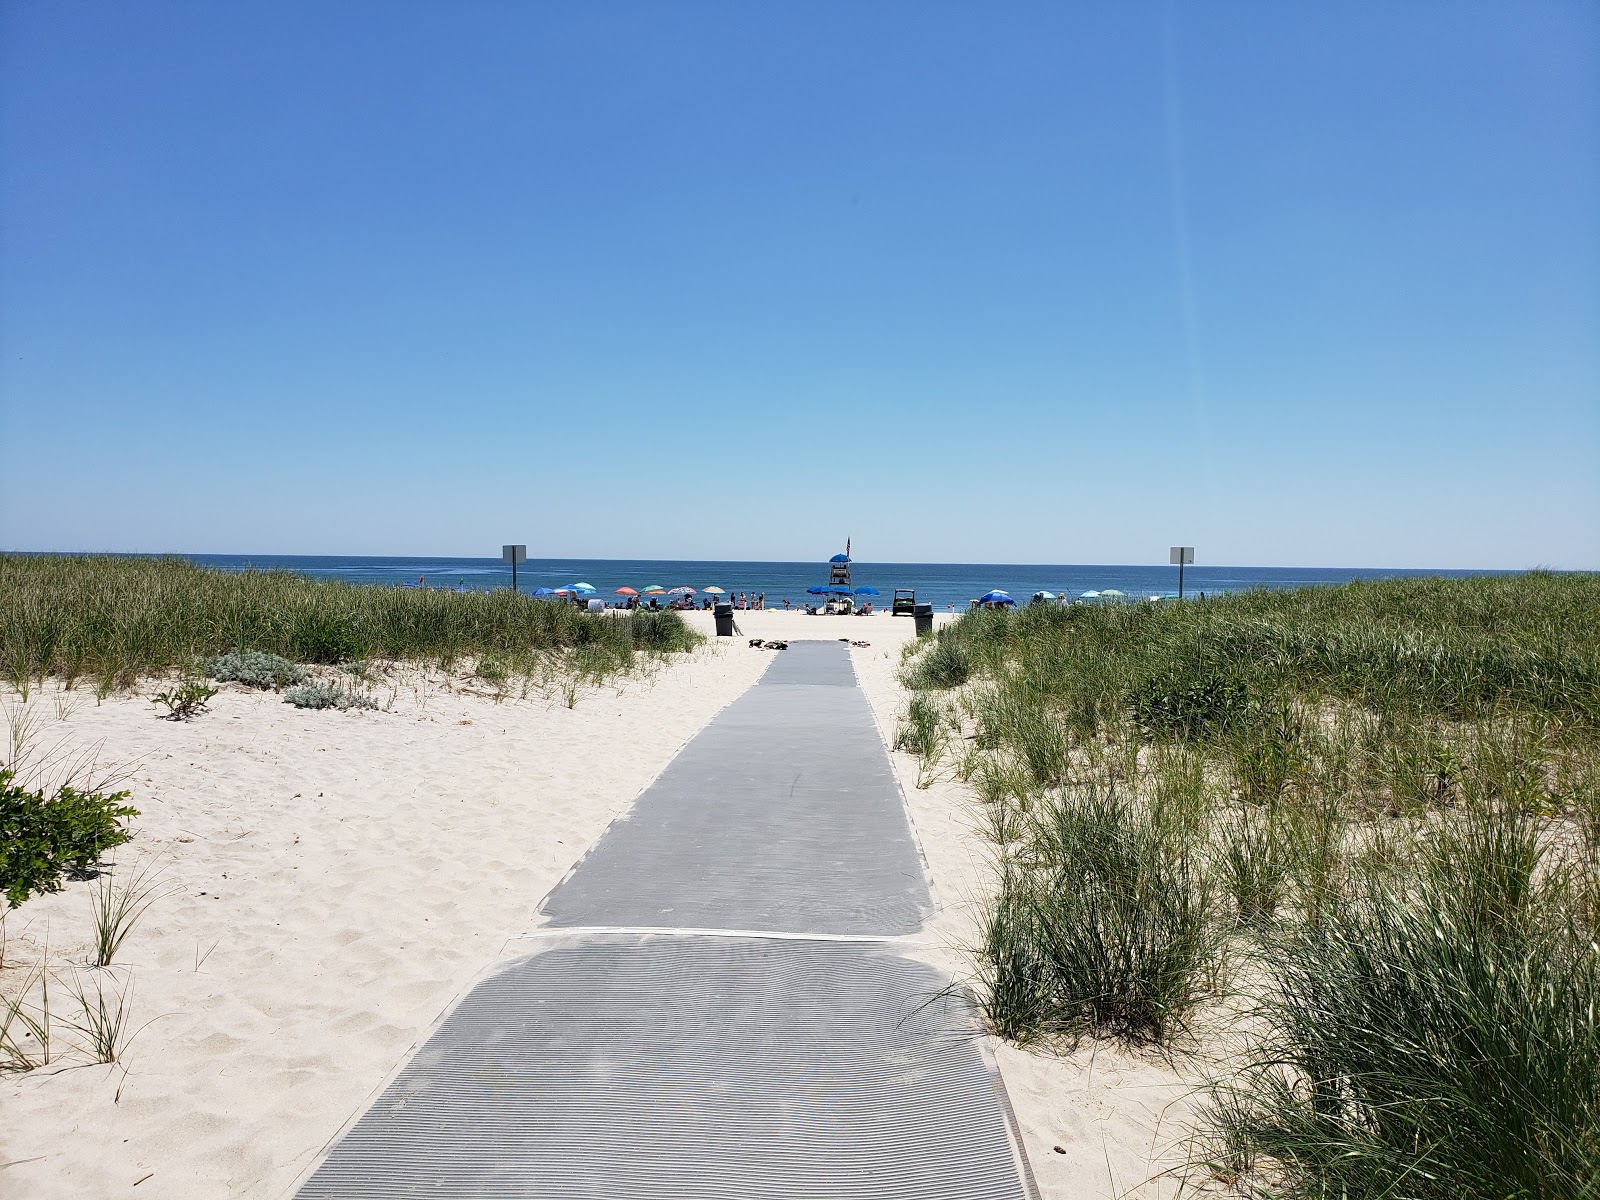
<point>186,700</point>
<point>1181,703</point>
<point>254,668</point>
<point>326,640</point>
<point>43,838</point>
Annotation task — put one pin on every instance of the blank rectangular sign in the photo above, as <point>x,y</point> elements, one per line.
<point>519,554</point>
<point>1182,555</point>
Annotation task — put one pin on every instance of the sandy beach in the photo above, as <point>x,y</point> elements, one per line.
<point>332,882</point>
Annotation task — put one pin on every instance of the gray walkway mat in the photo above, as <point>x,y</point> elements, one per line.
<point>658,1066</point>
<point>782,814</point>
<point>823,663</point>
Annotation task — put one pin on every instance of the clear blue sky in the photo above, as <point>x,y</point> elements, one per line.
<point>1060,282</point>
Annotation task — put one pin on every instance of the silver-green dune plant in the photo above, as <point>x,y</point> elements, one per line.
<point>254,668</point>
<point>324,695</point>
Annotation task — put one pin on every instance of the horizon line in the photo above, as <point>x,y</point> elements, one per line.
<point>804,561</point>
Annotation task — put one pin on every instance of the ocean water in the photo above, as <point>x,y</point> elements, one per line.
<point>946,585</point>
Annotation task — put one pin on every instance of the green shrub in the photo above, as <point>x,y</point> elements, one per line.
<point>254,668</point>
<point>1184,703</point>
<point>44,837</point>
<point>186,700</point>
<point>322,695</point>
<point>326,640</point>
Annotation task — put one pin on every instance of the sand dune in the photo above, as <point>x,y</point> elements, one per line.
<point>334,881</point>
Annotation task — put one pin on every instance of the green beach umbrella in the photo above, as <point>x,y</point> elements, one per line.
<point>654,587</point>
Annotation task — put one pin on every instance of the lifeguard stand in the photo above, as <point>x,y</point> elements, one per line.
<point>839,570</point>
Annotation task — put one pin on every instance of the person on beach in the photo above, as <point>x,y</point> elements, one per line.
<point>761,602</point>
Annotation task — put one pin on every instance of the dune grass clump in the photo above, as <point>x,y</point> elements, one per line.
<point>923,730</point>
<point>1104,923</point>
<point>1436,1035</point>
<point>117,905</point>
<point>1384,798</point>
<point>945,664</point>
<point>114,619</point>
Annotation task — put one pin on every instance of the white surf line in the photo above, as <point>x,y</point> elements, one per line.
<point>680,931</point>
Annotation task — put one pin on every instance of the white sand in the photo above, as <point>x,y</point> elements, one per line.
<point>343,878</point>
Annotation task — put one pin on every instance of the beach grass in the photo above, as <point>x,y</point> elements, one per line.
<point>1434,1036</point>
<point>112,620</point>
<point>1377,805</point>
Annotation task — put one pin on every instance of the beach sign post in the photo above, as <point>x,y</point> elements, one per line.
<point>514,555</point>
<point>1181,555</point>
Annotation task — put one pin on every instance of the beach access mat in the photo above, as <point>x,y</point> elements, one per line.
<point>659,1065</point>
<point>782,814</point>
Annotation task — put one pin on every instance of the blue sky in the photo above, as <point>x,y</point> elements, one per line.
<point>1296,284</point>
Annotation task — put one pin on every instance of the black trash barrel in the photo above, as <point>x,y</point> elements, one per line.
<point>922,614</point>
<point>724,618</point>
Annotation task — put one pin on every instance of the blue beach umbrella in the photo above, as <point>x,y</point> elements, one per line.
<point>583,587</point>
<point>816,591</point>
<point>544,591</point>
<point>840,558</point>
<point>996,597</point>
<point>866,591</point>
<point>839,589</point>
